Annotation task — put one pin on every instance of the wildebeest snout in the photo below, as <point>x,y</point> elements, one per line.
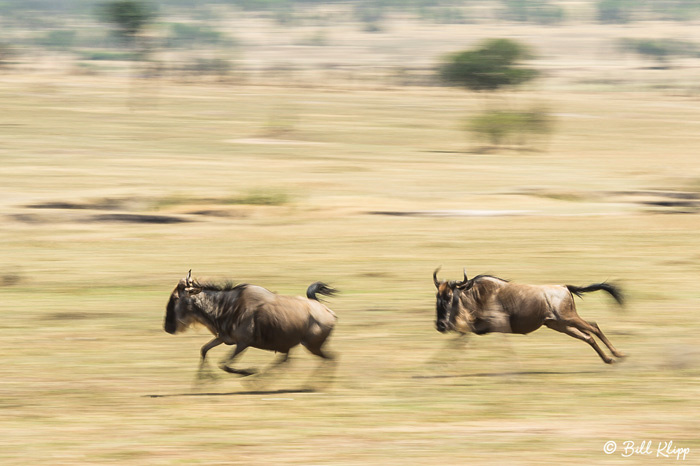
<point>441,326</point>
<point>170,327</point>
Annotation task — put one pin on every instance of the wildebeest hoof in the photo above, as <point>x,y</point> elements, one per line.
<point>206,375</point>
<point>241,372</point>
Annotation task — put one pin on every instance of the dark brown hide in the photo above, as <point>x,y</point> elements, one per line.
<point>251,316</point>
<point>488,304</point>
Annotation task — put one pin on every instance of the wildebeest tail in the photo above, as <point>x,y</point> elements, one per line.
<point>320,288</point>
<point>614,291</point>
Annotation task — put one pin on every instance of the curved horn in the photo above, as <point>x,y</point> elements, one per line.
<point>188,278</point>
<point>435,280</point>
<point>462,283</point>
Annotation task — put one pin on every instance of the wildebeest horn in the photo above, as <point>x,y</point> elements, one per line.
<point>465,278</point>
<point>435,280</point>
<point>188,278</point>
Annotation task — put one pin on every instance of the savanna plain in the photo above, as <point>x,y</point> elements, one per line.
<point>368,188</point>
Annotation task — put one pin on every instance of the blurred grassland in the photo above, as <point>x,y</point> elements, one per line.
<point>85,290</point>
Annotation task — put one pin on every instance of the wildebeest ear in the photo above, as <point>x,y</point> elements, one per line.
<point>465,286</point>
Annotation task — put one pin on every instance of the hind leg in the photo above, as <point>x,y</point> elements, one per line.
<point>599,333</point>
<point>326,368</point>
<point>319,352</point>
<point>563,327</point>
<point>592,327</point>
<point>269,374</point>
<point>283,359</point>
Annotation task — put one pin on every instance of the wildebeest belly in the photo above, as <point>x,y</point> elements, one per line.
<point>520,323</point>
<point>525,306</point>
<point>279,331</point>
<point>491,321</point>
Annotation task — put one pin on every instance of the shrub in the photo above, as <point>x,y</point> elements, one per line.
<point>660,49</point>
<point>60,39</point>
<point>188,34</point>
<point>501,127</point>
<point>540,12</point>
<point>491,66</point>
<point>615,11</point>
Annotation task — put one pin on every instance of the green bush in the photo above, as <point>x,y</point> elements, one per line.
<point>269,198</point>
<point>444,15</point>
<point>499,128</point>
<point>615,11</point>
<point>186,35</point>
<point>540,11</point>
<point>106,56</point>
<point>491,66</point>
<point>60,39</point>
<point>660,50</point>
<point>216,67</point>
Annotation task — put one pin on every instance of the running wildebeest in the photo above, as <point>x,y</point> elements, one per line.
<point>487,304</point>
<point>251,316</point>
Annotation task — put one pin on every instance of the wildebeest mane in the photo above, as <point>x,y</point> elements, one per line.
<point>479,277</point>
<point>226,303</point>
<point>225,286</point>
<point>478,290</point>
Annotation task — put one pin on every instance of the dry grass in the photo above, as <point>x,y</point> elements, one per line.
<point>83,298</point>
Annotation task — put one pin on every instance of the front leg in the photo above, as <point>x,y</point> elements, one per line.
<point>481,326</point>
<point>224,366</point>
<point>203,366</point>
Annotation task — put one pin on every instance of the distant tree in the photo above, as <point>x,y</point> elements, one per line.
<point>6,52</point>
<point>371,15</point>
<point>615,11</point>
<point>129,17</point>
<point>60,39</point>
<point>660,50</point>
<point>532,11</point>
<point>493,65</point>
<point>496,64</point>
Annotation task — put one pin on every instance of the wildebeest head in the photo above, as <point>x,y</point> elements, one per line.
<point>178,315</point>
<point>447,298</point>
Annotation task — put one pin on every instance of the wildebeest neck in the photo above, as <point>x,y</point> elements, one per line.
<point>217,309</point>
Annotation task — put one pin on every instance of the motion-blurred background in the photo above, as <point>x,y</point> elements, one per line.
<point>362,143</point>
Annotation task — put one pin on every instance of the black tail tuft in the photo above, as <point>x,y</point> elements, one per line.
<point>320,288</point>
<point>614,291</point>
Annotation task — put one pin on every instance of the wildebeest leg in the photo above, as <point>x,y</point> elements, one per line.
<point>267,375</point>
<point>510,351</point>
<point>448,350</point>
<point>224,366</point>
<point>319,352</point>
<point>592,327</point>
<point>563,327</point>
<point>282,359</point>
<point>328,359</point>
<point>204,372</point>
